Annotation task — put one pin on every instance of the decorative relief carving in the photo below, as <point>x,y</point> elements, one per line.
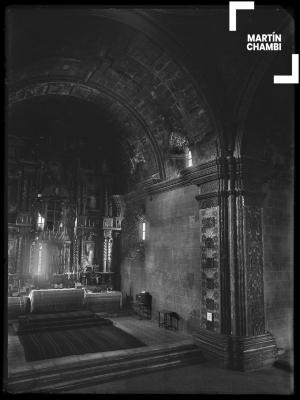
<point>177,143</point>
<point>241,308</point>
<point>12,253</point>
<point>60,88</point>
<point>133,247</point>
<point>81,91</point>
<point>210,261</point>
<point>209,187</point>
<point>254,271</point>
<point>208,203</point>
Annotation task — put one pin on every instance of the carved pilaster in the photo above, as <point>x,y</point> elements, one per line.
<point>19,254</point>
<point>75,254</point>
<point>254,271</point>
<point>240,265</point>
<point>242,341</point>
<point>108,224</point>
<point>13,234</point>
<point>109,254</point>
<point>133,248</point>
<point>212,200</point>
<point>107,250</point>
<point>234,272</point>
<point>249,201</point>
<point>26,253</point>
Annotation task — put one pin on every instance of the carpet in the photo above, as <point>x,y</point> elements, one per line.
<point>33,323</point>
<point>66,340</point>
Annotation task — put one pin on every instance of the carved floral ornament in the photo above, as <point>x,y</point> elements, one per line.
<point>177,143</point>
<point>254,259</point>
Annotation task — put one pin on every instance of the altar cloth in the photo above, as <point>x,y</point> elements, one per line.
<point>56,299</point>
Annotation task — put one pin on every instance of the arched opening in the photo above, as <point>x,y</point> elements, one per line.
<point>74,128</point>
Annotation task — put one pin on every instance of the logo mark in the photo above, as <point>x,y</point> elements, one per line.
<point>294,78</point>
<point>237,5</point>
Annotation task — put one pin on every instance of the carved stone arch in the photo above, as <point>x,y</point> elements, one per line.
<point>149,73</point>
<point>162,37</point>
<point>84,92</point>
<point>144,23</point>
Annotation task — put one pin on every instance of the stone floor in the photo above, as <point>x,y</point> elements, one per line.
<point>201,378</point>
<point>148,331</point>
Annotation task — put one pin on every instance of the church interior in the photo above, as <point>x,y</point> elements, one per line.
<point>150,198</point>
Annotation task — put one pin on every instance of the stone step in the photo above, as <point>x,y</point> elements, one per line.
<point>96,359</point>
<point>121,374</point>
<point>105,369</point>
<point>79,372</point>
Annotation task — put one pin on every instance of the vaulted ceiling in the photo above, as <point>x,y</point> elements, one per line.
<point>126,80</point>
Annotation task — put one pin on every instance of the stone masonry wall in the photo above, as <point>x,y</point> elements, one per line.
<point>171,270</point>
<point>168,264</point>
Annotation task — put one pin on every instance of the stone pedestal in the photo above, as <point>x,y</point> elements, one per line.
<point>237,352</point>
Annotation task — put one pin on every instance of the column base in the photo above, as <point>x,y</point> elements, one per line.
<point>237,353</point>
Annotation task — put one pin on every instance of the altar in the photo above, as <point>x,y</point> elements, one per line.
<point>49,300</point>
<point>110,302</point>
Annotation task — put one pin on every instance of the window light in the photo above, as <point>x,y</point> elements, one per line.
<point>41,221</point>
<point>189,159</point>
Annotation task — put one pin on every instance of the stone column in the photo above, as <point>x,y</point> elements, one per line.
<point>67,256</point>
<point>65,266</point>
<point>26,252</point>
<point>232,313</point>
<point>104,253</point>
<point>107,250</point>
<point>19,268</point>
<point>75,254</point>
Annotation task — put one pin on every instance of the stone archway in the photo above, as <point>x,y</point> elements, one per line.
<point>138,69</point>
<point>89,93</point>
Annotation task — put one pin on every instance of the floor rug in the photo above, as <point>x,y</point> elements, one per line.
<point>33,323</point>
<point>44,344</point>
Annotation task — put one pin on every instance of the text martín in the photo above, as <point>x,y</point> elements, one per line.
<point>264,42</point>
